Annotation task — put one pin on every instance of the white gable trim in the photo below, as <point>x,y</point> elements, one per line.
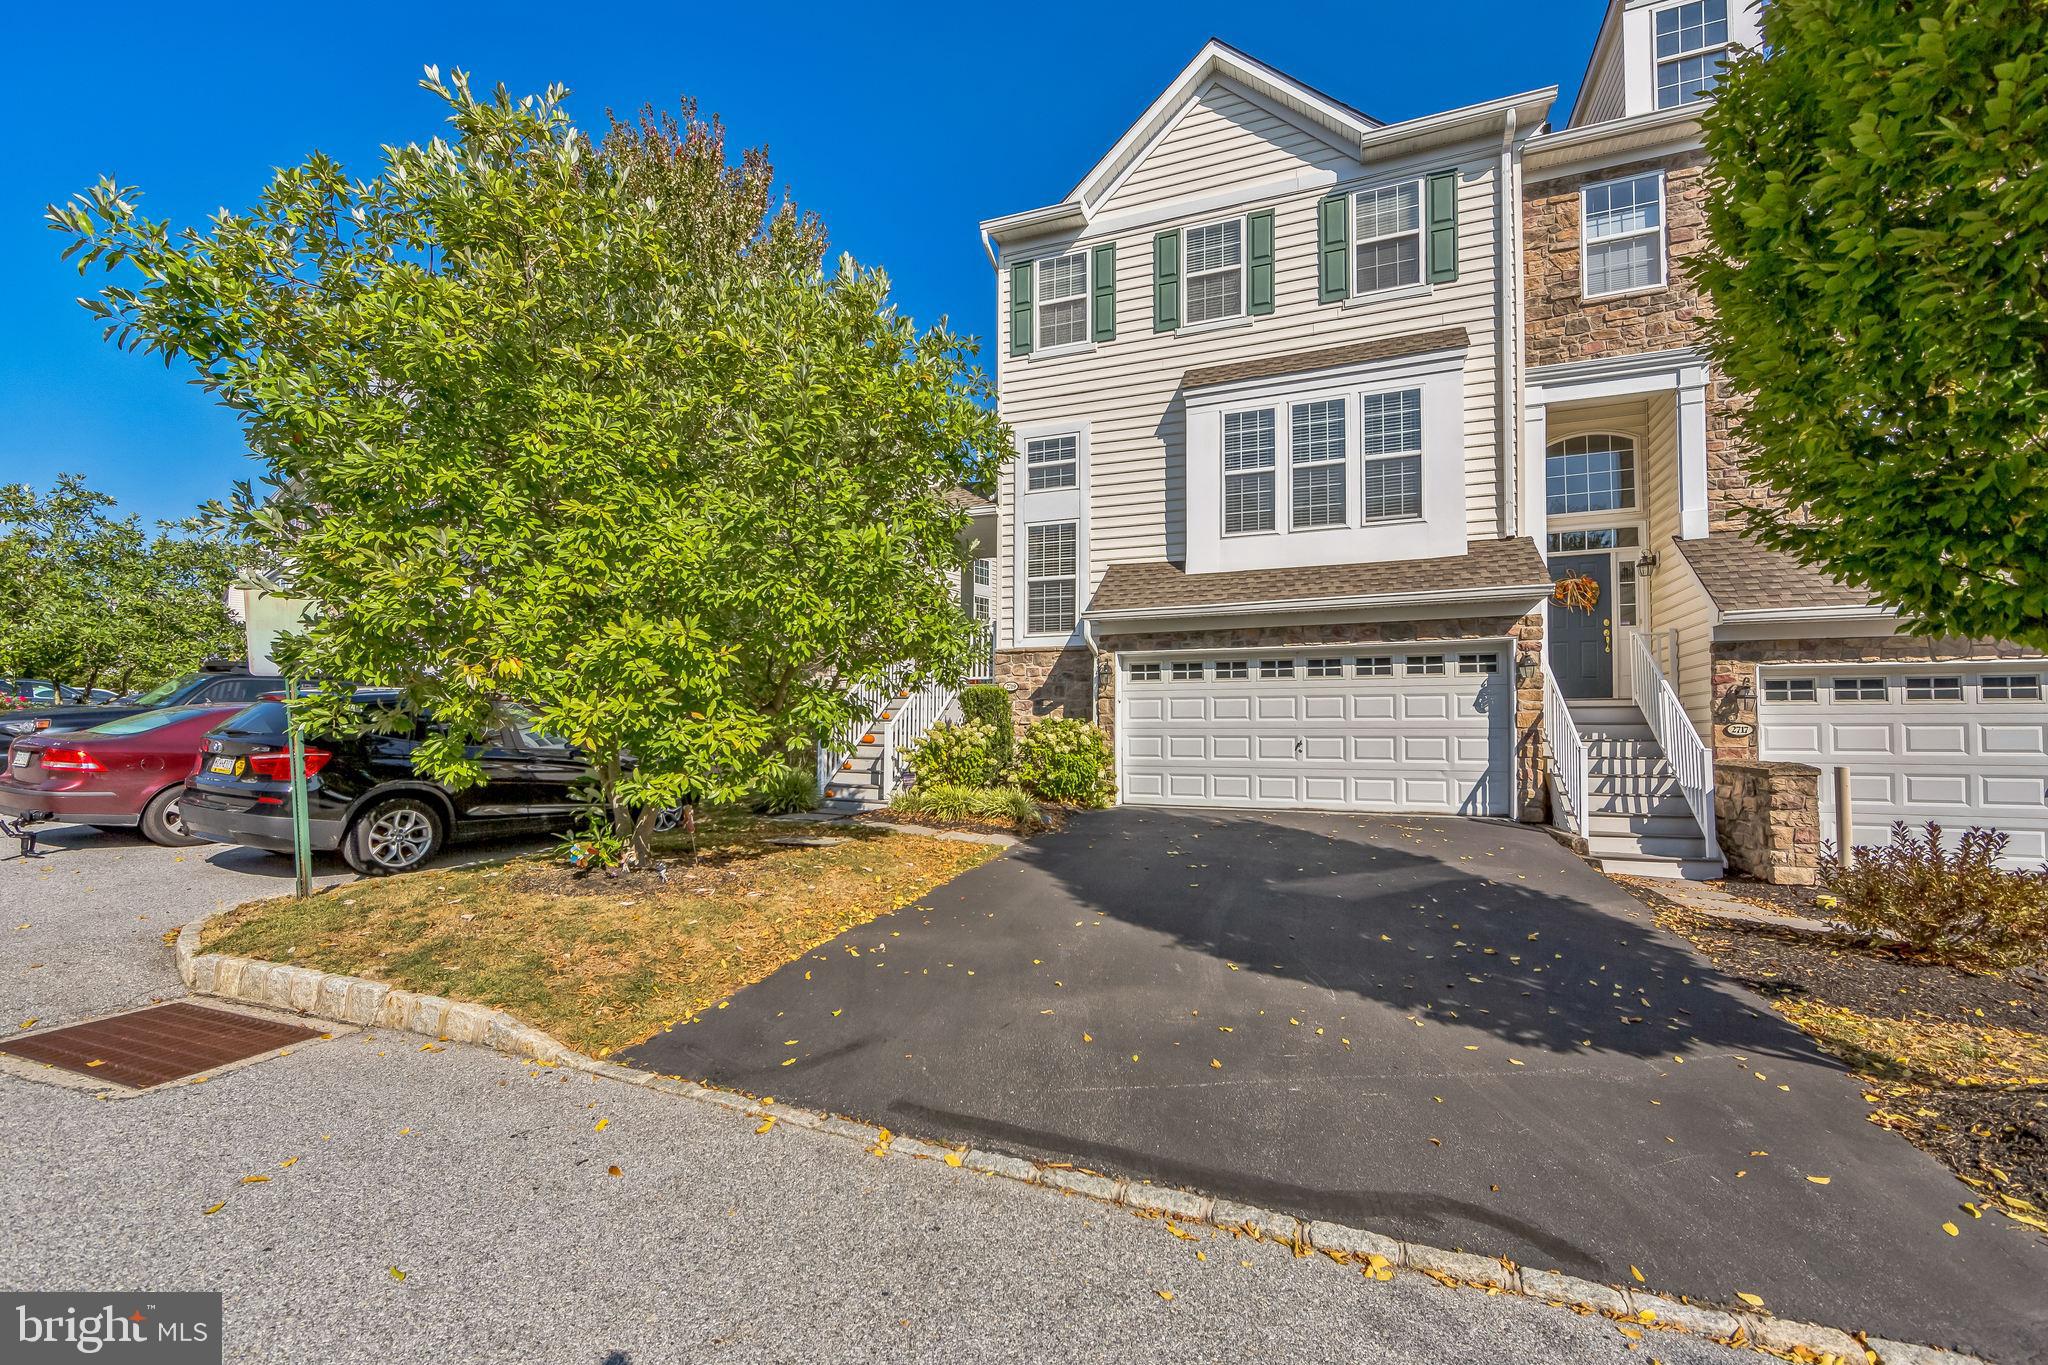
<point>1293,100</point>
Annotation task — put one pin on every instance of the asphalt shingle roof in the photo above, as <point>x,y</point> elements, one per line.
<point>1741,575</point>
<point>1157,584</point>
<point>1327,358</point>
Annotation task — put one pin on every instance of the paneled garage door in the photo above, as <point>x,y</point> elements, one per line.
<point>1423,729</point>
<point>1959,745</point>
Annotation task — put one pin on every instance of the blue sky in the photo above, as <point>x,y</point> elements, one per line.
<point>904,127</point>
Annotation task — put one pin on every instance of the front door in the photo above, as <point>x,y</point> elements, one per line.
<point>1582,642</point>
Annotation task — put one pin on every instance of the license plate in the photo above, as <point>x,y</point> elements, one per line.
<point>221,763</point>
<point>21,758</point>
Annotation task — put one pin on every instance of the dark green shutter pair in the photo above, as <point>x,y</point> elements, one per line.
<point>1258,262</point>
<point>1101,302</point>
<point>1439,233</point>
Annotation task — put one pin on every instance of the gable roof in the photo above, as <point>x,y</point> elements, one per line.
<point>1742,576</point>
<point>1348,129</point>
<point>1315,110</point>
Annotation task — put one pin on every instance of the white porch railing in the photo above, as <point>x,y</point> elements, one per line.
<point>916,713</point>
<point>1571,763</point>
<point>1687,753</point>
<point>843,745</point>
<point>981,666</point>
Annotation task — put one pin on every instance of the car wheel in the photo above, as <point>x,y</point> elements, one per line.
<point>161,823</point>
<point>397,834</point>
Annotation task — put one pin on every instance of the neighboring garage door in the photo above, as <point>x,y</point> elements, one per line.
<point>1428,728</point>
<point>1958,745</point>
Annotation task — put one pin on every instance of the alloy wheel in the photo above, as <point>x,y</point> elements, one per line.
<point>398,838</point>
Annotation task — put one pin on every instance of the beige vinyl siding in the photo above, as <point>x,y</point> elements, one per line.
<point>1677,605</point>
<point>1127,390</point>
<point>1224,140</point>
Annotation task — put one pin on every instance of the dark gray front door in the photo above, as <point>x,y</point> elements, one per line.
<point>1582,642</point>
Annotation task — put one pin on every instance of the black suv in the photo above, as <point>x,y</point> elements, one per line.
<point>218,682</point>
<point>362,795</point>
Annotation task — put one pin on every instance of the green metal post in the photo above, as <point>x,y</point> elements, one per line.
<point>302,836</point>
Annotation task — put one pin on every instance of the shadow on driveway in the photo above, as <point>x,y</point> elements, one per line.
<point>1447,1030</point>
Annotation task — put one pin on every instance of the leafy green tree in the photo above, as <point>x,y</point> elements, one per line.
<point>1879,274</point>
<point>93,600</point>
<point>584,428</point>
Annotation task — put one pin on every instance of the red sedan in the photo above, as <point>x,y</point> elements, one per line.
<point>123,774</point>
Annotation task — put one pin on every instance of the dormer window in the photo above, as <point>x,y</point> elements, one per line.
<point>1691,41</point>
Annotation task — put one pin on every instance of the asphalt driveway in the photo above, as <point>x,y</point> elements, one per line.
<point>1452,1031</point>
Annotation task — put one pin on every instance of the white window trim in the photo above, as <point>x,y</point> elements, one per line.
<point>1039,303</point>
<point>1073,463</point>
<point>1663,229</point>
<point>1631,513</point>
<point>1418,455</point>
<point>1243,267</point>
<point>1224,473</point>
<point>1079,576</point>
<point>1657,64</point>
<point>1420,234</point>
<point>1344,461</point>
<point>1022,510</point>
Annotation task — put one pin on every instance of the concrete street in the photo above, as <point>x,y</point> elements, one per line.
<point>516,1244</point>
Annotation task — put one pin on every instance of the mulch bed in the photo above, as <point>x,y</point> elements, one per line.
<point>1994,1136</point>
<point>1783,900</point>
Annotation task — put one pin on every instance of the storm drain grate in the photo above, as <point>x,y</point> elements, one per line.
<point>158,1044</point>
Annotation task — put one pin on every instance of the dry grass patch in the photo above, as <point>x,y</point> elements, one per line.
<point>601,962</point>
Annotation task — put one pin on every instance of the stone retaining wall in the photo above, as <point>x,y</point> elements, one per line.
<point>1768,819</point>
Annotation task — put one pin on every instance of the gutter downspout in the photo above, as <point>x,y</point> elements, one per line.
<point>1094,669</point>
<point>1510,378</point>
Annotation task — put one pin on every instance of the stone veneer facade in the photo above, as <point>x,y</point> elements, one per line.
<point>1735,661</point>
<point>1767,816</point>
<point>1562,326</point>
<point>1056,682</point>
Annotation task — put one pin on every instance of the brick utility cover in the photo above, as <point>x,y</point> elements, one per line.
<point>158,1044</point>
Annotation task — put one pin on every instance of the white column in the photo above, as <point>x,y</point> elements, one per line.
<point>1692,452</point>
<point>1535,441</point>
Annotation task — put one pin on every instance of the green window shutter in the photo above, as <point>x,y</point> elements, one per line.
<point>1166,282</point>
<point>1259,262</point>
<point>1443,226</point>
<point>1020,308</point>
<point>1103,278</point>
<point>1333,249</point>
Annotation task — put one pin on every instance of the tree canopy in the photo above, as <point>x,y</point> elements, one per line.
<point>93,600</point>
<point>584,427</point>
<point>1879,274</point>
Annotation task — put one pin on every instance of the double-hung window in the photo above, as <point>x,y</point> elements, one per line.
<point>1051,568</point>
<point>1248,471</point>
<point>1316,450</point>
<point>1692,39</point>
<point>1214,270</point>
<point>1624,246</point>
<point>1062,300</point>
<point>1390,454</point>
<point>1389,236</point>
<point>1052,462</point>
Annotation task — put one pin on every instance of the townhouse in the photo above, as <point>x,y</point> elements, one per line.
<point>1314,410</point>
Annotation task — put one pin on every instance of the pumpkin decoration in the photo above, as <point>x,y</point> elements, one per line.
<point>1580,592</point>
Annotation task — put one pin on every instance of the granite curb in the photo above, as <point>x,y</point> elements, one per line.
<point>374,1004</point>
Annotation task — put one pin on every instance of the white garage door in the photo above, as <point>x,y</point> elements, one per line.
<point>1959,745</point>
<point>1429,728</point>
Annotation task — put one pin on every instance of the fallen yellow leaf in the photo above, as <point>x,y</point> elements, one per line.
<point>1818,1179</point>
<point>602,1124</point>
<point>1638,1274</point>
<point>613,1170</point>
<point>952,1158</point>
<point>1216,1064</point>
<point>1751,1299</point>
<point>397,1274</point>
<point>254,1179</point>
<point>1166,1294</point>
<point>766,1124</point>
<point>215,1209</point>
<point>1951,1229</point>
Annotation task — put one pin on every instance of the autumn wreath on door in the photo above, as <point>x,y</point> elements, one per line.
<point>1579,592</point>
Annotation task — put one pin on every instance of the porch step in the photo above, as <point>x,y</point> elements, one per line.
<point>1654,845</point>
<point>1640,801</point>
<point>1668,869</point>
<point>1592,715</point>
<point>1675,825</point>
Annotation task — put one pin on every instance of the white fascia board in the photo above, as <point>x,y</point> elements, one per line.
<point>1469,600</point>
<point>1800,616</point>
<point>1612,376</point>
<point>1215,59</point>
<point>1660,132</point>
<point>1458,125</point>
<point>1033,222</point>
